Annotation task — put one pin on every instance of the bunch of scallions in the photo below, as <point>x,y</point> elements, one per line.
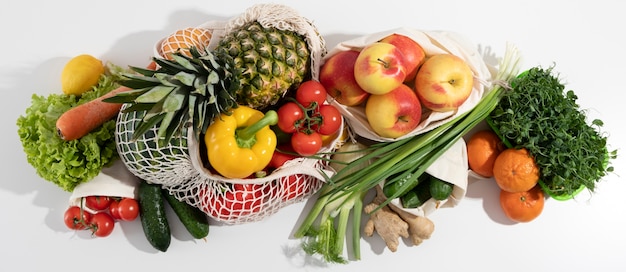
<point>324,229</point>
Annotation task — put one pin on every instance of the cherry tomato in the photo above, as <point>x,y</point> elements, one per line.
<point>102,224</point>
<point>281,155</point>
<point>311,91</point>
<point>97,203</point>
<point>114,210</point>
<point>248,196</point>
<point>240,199</point>
<point>293,186</point>
<point>306,144</point>
<point>76,218</point>
<point>331,119</point>
<point>289,116</point>
<point>128,209</point>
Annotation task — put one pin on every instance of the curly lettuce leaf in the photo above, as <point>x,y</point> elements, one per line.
<point>66,163</point>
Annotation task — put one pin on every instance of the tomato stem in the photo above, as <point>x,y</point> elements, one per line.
<point>310,119</point>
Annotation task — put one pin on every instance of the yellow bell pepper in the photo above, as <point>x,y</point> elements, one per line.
<point>242,143</point>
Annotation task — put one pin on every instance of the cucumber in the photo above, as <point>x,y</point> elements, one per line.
<point>440,189</point>
<point>194,219</point>
<point>417,196</point>
<point>410,200</point>
<point>402,186</point>
<point>152,215</point>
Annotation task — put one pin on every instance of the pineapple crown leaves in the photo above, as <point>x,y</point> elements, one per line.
<point>187,90</point>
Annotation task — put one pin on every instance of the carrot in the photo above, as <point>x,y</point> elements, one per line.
<point>152,65</point>
<point>82,119</point>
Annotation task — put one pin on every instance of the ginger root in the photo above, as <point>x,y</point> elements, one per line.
<point>420,227</point>
<point>392,222</point>
<point>389,226</point>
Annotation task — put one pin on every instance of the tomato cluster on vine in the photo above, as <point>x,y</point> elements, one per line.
<point>306,117</point>
<point>102,214</point>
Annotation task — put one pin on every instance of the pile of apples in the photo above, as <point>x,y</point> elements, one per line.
<point>396,81</point>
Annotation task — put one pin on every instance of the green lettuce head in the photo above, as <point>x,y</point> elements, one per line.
<point>66,163</point>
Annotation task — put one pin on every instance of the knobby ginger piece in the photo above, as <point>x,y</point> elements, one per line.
<point>420,227</point>
<point>389,226</point>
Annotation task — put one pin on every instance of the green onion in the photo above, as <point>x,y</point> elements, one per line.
<point>345,190</point>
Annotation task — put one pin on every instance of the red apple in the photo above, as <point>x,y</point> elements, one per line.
<point>337,76</point>
<point>413,52</point>
<point>395,113</point>
<point>379,68</point>
<point>444,82</point>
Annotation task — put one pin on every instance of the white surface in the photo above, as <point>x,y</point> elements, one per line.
<point>584,40</point>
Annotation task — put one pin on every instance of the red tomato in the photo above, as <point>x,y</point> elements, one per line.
<point>290,117</point>
<point>241,199</point>
<point>114,210</point>
<point>102,224</point>
<point>311,91</point>
<point>293,186</point>
<point>331,119</point>
<point>279,158</point>
<point>128,209</point>
<point>76,218</point>
<point>97,203</point>
<point>306,144</point>
<point>247,196</point>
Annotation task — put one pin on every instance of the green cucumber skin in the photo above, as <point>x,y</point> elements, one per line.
<point>417,196</point>
<point>153,217</point>
<point>410,200</point>
<point>194,219</point>
<point>440,189</point>
<point>390,190</point>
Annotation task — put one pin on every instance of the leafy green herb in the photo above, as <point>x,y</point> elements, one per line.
<point>66,163</point>
<point>539,115</point>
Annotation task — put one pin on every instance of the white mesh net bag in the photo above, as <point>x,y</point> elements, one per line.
<point>182,40</point>
<point>180,166</point>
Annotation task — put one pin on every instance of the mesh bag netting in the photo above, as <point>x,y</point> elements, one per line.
<point>180,166</point>
<point>183,39</point>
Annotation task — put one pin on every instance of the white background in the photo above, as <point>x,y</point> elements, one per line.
<point>584,39</point>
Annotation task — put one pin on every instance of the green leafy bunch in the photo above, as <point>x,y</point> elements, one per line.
<point>66,163</point>
<point>539,115</point>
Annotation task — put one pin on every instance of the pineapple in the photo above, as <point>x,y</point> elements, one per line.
<point>184,91</point>
<point>251,65</point>
<point>253,59</point>
<point>272,62</point>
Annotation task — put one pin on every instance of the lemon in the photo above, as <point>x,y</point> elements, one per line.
<point>80,74</point>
